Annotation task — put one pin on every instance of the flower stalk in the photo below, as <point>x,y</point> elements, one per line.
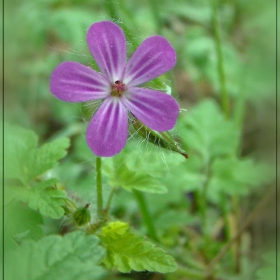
<point>99,188</point>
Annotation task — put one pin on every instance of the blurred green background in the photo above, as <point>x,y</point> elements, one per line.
<point>41,34</point>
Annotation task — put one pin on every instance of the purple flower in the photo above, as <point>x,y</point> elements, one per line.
<point>117,85</point>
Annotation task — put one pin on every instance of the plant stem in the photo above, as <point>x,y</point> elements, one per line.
<point>247,222</point>
<point>220,65</point>
<point>108,204</point>
<point>155,10</point>
<point>146,215</point>
<point>99,188</point>
<point>224,93</point>
<point>203,209</point>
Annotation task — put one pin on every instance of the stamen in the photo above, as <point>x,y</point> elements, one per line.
<point>118,88</point>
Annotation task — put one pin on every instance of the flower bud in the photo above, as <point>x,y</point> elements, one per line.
<point>82,215</point>
<point>162,139</point>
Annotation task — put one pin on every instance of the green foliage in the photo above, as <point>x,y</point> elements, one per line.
<point>128,251</point>
<point>44,158</point>
<point>44,197</point>
<point>234,176</point>
<point>25,162</point>
<point>269,269</point>
<point>128,179</point>
<point>18,143</point>
<point>51,31</point>
<point>208,133</point>
<point>21,222</point>
<point>74,256</point>
<point>212,142</point>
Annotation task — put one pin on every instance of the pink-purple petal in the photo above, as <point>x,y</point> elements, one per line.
<point>107,131</point>
<point>155,109</point>
<point>107,44</point>
<point>154,57</point>
<point>74,82</point>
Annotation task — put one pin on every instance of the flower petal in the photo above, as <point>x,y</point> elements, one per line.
<point>74,82</point>
<point>155,109</point>
<point>107,44</point>
<point>107,131</point>
<point>153,57</point>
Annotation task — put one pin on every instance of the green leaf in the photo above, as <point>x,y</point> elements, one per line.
<point>73,257</point>
<point>21,222</point>
<point>128,251</point>
<point>44,197</point>
<point>18,144</point>
<point>23,160</point>
<point>124,177</point>
<point>42,159</point>
<point>269,268</point>
<point>208,133</point>
<point>234,176</point>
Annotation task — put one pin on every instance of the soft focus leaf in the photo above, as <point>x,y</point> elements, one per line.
<point>128,251</point>
<point>75,256</point>
<point>234,176</point>
<point>269,268</point>
<point>208,133</point>
<point>21,222</point>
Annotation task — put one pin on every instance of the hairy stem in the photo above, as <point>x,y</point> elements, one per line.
<point>146,216</point>
<point>99,188</point>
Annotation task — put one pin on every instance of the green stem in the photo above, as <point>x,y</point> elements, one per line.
<point>155,10</point>
<point>146,216</point>
<point>99,188</point>
<point>223,88</point>
<point>110,7</point>
<point>220,65</point>
<point>108,204</point>
<point>223,203</point>
<point>203,211</point>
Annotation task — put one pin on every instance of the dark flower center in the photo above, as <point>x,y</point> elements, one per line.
<point>118,88</point>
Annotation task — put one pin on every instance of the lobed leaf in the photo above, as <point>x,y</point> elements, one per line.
<point>128,179</point>
<point>44,197</point>
<point>128,251</point>
<point>21,222</point>
<point>208,133</point>
<point>73,257</point>
<point>23,160</point>
<point>18,144</point>
<point>44,158</point>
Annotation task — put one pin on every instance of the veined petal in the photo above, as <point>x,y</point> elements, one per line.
<point>153,57</point>
<point>107,44</point>
<point>155,109</point>
<point>75,82</point>
<point>107,131</point>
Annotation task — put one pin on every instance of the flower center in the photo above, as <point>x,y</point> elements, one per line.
<point>118,88</point>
